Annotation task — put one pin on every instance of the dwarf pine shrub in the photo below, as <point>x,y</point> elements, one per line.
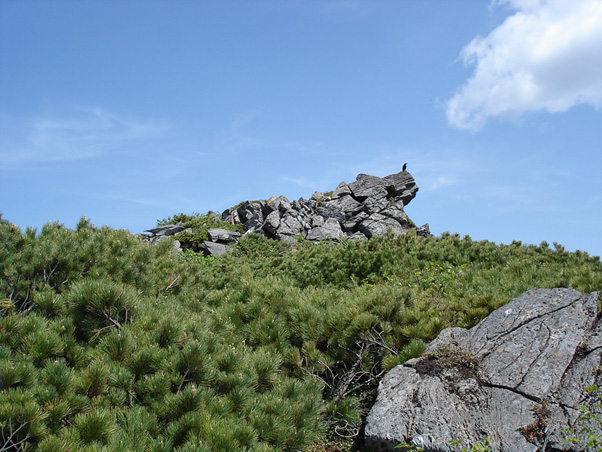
<point>109,344</point>
<point>196,226</point>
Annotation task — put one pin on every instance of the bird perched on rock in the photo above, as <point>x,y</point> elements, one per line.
<point>405,165</point>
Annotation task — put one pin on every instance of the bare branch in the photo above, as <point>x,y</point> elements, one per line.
<point>8,443</point>
<point>110,319</point>
<point>172,283</point>
<point>183,380</point>
<point>375,337</point>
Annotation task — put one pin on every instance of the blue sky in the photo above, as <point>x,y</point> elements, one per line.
<point>130,111</point>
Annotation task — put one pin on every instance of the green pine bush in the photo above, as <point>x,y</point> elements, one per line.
<point>109,344</point>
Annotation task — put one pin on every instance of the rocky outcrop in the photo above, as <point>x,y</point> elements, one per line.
<point>164,232</point>
<point>220,241</point>
<point>368,207</point>
<point>516,378</point>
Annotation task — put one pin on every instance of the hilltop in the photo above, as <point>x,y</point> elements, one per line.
<point>108,343</point>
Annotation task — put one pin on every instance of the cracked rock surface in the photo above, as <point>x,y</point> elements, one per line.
<point>516,378</point>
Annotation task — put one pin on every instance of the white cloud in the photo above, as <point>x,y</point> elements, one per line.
<point>546,56</point>
<point>77,135</point>
<point>440,182</point>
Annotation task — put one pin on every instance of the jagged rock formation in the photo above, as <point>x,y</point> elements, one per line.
<point>516,378</point>
<point>367,207</point>
<point>370,206</point>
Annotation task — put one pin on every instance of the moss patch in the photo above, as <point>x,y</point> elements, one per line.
<point>448,357</point>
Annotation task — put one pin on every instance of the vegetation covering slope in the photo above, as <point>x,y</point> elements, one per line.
<point>108,343</point>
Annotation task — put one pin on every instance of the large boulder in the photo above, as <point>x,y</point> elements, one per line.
<point>272,223</point>
<point>377,224</point>
<point>516,378</point>
<point>401,186</point>
<point>215,249</point>
<point>367,186</point>
<point>346,204</point>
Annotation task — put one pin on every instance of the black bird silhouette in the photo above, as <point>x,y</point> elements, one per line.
<point>405,165</point>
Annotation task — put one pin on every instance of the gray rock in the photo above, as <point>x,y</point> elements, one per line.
<point>215,249</point>
<point>271,223</point>
<point>254,223</point>
<point>169,229</point>
<point>331,211</point>
<point>377,224</point>
<point>534,349</point>
<point>401,184</point>
<point>297,206</point>
<point>231,216</point>
<point>286,238</point>
<point>344,204</point>
<point>245,212</point>
<point>317,221</point>
<point>249,210</point>
<point>157,239</point>
<point>223,235</point>
<point>303,205</point>
<point>396,212</point>
<point>330,230</point>
<point>526,328</point>
<point>280,204</point>
<point>423,231</point>
<point>285,205</point>
<point>367,186</point>
<point>289,225</point>
<point>350,226</point>
<point>375,204</point>
<point>305,223</point>
<point>318,196</point>
<point>341,190</point>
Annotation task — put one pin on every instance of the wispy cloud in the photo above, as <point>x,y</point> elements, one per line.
<point>546,56</point>
<point>246,134</point>
<point>487,178</point>
<point>440,182</point>
<point>314,184</point>
<point>81,133</point>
